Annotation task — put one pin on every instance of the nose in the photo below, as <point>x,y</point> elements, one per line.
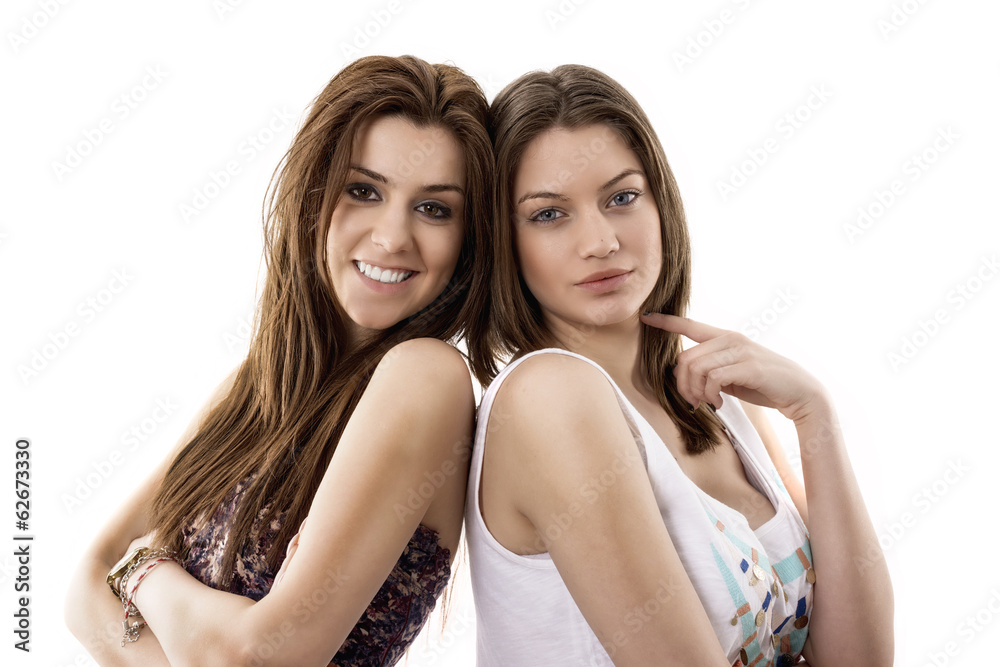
<point>391,230</point>
<point>598,236</point>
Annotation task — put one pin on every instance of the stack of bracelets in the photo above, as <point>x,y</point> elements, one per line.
<point>138,558</point>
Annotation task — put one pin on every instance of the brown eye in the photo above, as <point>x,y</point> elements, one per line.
<point>434,210</point>
<point>362,192</point>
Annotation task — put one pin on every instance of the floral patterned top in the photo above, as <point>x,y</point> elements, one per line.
<point>392,620</point>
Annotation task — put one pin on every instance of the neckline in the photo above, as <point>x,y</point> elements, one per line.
<point>751,467</point>
<point>746,459</point>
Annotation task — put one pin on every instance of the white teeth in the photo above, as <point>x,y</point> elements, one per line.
<point>382,275</point>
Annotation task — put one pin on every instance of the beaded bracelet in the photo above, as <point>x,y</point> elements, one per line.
<point>131,632</point>
<point>137,563</point>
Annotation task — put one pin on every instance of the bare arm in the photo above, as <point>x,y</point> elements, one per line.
<point>853,592</point>
<point>614,553</point>
<point>417,407</point>
<point>92,612</point>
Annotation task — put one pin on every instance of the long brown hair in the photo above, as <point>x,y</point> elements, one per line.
<point>569,97</point>
<point>294,393</point>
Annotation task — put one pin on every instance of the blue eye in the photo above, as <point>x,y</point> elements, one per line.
<point>546,216</point>
<point>363,192</point>
<point>624,198</point>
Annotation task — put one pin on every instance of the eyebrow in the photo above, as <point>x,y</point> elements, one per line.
<point>554,195</point>
<point>374,175</point>
<point>436,187</point>
<point>628,172</point>
<point>541,195</point>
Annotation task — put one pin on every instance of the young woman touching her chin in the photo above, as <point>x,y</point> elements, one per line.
<point>622,508</point>
<point>350,396</point>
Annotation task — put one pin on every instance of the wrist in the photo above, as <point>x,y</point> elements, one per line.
<point>120,571</point>
<point>137,593</point>
<point>817,409</point>
<point>819,435</point>
<point>139,564</point>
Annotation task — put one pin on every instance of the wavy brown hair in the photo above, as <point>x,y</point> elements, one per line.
<point>570,97</point>
<point>280,423</point>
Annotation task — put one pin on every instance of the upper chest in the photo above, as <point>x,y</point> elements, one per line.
<point>718,472</point>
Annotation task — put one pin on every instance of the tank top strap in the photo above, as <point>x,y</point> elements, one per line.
<point>746,439</point>
<point>626,407</point>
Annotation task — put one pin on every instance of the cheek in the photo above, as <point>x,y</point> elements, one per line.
<point>340,237</point>
<point>333,247</point>
<point>652,243</point>
<point>536,262</point>
<point>443,250</point>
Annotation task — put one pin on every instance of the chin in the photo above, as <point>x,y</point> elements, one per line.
<point>375,321</point>
<point>609,314</point>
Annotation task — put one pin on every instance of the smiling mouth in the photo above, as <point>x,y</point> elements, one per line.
<point>378,274</point>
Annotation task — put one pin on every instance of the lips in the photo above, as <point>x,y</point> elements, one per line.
<point>605,281</point>
<point>384,275</point>
<point>601,275</point>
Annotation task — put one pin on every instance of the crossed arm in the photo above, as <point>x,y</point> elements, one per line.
<point>415,418</point>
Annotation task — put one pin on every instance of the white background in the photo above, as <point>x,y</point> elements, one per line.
<point>186,288</point>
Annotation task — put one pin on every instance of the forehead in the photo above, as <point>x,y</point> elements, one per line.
<point>559,158</point>
<point>402,151</point>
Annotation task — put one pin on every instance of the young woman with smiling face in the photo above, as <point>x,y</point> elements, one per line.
<point>383,267</point>
<point>349,399</point>
<point>622,508</point>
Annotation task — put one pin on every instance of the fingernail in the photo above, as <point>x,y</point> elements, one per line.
<point>303,524</point>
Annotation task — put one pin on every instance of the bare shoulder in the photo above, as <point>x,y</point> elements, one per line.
<point>553,408</point>
<point>421,393</point>
<point>424,363</point>
<point>554,386</point>
<point>555,426</point>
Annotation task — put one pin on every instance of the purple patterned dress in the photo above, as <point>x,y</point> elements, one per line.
<point>392,620</point>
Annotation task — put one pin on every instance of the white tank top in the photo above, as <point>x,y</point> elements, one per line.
<point>756,585</point>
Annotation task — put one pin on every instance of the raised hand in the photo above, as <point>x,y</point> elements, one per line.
<point>728,361</point>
